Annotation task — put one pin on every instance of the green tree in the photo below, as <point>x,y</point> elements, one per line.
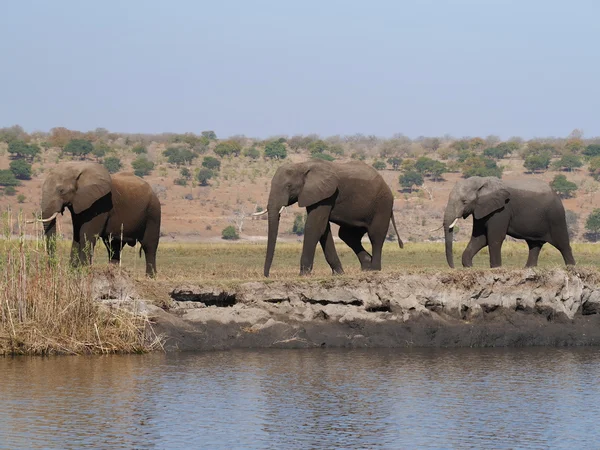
<point>500,151</point>
<point>379,165</point>
<point>101,148</point>
<point>112,164</point>
<point>299,222</point>
<point>21,198</point>
<point>534,163</point>
<point>185,173</point>
<point>318,147</point>
<point>480,166</point>
<point>569,162</point>
<point>594,167</point>
<point>10,190</point>
<point>592,225</point>
<point>430,167</point>
<point>229,233</point>
<point>179,155</point>
<point>211,163</point>
<point>336,149</point>
<point>323,156</point>
<point>142,166</point>
<point>210,135</point>
<point>7,178</point>
<point>79,147</point>
<point>139,149</point>
<point>252,153</point>
<point>592,150</point>
<point>395,162</point>
<point>563,187</point>
<point>204,175</point>
<point>21,169</point>
<point>20,149</point>
<point>227,148</point>
<point>275,150</point>
<point>410,179</point>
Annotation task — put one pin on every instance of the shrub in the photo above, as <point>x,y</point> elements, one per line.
<point>430,167</point>
<point>79,147</point>
<point>10,190</point>
<point>139,149</point>
<point>572,223</point>
<point>252,153</point>
<point>299,222</point>
<point>180,181</point>
<point>100,149</point>
<point>592,225</point>
<point>204,175</point>
<point>592,150</point>
<point>211,163</point>
<point>480,166</point>
<point>179,155</point>
<point>275,150</point>
<point>112,164</point>
<point>318,147</point>
<point>563,187</point>
<point>323,156</point>
<point>185,173</point>
<point>7,178</point>
<point>533,163</point>
<point>395,162</point>
<point>379,165</point>
<point>20,149</point>
<point>410,178</point>
<point>227,148</point>
<point>21,169</point>
<point>142,166</point>
<point>229,233</point>
<point>21,198</point>
<point>568,162</point>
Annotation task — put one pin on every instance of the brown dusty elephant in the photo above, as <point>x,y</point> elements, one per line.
<point>524,209</point>
<point>352,195</point>
<point>120,209</point>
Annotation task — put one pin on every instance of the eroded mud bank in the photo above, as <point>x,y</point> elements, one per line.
<point>447,309</point>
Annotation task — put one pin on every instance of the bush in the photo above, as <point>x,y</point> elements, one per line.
<point>395,162</point>
<point>112,164</point>
<point>142,166</point>
<point>20,149</point>
<point>533,163</point>
<point>480,166</point>
<point>185,173</point>
<point>318,147</point>
<point>379,165</point>
<point>592,150</point>
<point>227,148</point>
<point>229,233</point>
<point>252,153</point>
<point>179,155</point>
<point>10,190</point>
<point>592,225</point>
<point>323,156</point>
<point>21,198</point>
<point>204,175</point>
<point>100,149</point>
<point>21,169</point>
<point>563,187</point>
<point>572,223</point>
<point>211,163</point>
<point>139,149</point>
<point>180,181</point>
<point>430,167</point>
<point>568,162</point>
<point>410,179</point>
<point>79,147</point>
<point>7,178</point>
<point>299,222</point>
<point>275,150</point>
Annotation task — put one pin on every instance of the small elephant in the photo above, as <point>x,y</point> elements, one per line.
<point>524,209</point>
<point>120,209</point>
<point>352,195</point>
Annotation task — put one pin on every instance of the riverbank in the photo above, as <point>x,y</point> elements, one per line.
<point>463,308</point>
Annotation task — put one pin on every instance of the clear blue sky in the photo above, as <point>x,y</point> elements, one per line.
<point>266,67</point>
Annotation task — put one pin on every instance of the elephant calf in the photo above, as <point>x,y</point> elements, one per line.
<point>525,209</point>
<point>120,209</point>
<point>352,195</point>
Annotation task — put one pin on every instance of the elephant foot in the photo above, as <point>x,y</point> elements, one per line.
<point>339,271</point>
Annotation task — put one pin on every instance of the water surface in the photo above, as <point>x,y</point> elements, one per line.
<point>455,398</point>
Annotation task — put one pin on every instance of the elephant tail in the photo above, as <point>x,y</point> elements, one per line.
<point>400,243</point>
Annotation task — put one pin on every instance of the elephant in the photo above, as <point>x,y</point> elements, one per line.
<point>352,195</point>
<point>120,209</point>
<point>525,209</point>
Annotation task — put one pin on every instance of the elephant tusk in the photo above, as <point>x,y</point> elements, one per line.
<point>260,213</point>
<point>49,219</point>
<point>281,210</point>
<point>453,223</point>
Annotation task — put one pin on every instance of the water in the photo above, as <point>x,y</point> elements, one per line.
<point>466,398</point>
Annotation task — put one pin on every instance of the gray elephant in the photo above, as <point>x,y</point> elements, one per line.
<point>524,209</point>
<point>120,209</point>
<point>352,195</point>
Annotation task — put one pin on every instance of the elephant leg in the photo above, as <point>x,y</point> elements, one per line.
<point>149,245</point>
<point>534,252</point>
<point>561,242</point>
<point>352,237</point>
<point>331,255</point>
<point>497,227</point>
<point>476,243</point>
<point>377,233</point>
<point>317,221</point>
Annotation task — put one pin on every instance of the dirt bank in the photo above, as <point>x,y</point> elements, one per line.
<point>465,308</point>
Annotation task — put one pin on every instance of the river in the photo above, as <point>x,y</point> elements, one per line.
<point>323,398</point>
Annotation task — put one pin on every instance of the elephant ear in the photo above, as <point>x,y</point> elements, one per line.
<point>491,197</point>
<point>93,183</point>
<point>320,183</point>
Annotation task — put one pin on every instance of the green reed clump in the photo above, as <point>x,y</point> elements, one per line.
<point>48,307</point>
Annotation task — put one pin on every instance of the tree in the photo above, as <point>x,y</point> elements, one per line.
<point>179,155</point>
<point>430,167</point>
<point>211,163</point>
<point>185,173</point>
<point>230,233</point>
<point>594,167</point>
<point>227,148</point>
<point>7,178</point>
<point>299,222</point>
<point>252,153</point>
<point>379,165</point>
<point>139,149</point>
<point>101,148</point>
<point>569,162</point>
<point>431,144</point>
<point>210,135</point>
<point>318,147</point>
<point>395,162</point>
<point>499,151</point>
<point>592,225</point>
<point>204,175</point>
<point>142,166</point>
<point>20,149</point>
<point>592,150</point>
<point>410,179</point>
<point>79,147</point>
<point>480,166</point>
<point>21,169</point>
<point>563,187</point>
<point>533,163</point>
<point>275,150</point>
<point>112,164</point>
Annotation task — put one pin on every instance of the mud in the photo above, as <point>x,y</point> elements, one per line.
<point>465,308</point>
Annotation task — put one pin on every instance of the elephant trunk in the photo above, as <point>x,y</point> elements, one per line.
<point>273,212</point>
<point>449,222</point>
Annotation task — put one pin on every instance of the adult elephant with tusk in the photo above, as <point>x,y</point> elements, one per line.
<point>352,195</point>
<point>120,209</point>
<point>524,209</point>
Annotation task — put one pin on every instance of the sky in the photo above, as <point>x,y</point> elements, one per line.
<point>262,68</point>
